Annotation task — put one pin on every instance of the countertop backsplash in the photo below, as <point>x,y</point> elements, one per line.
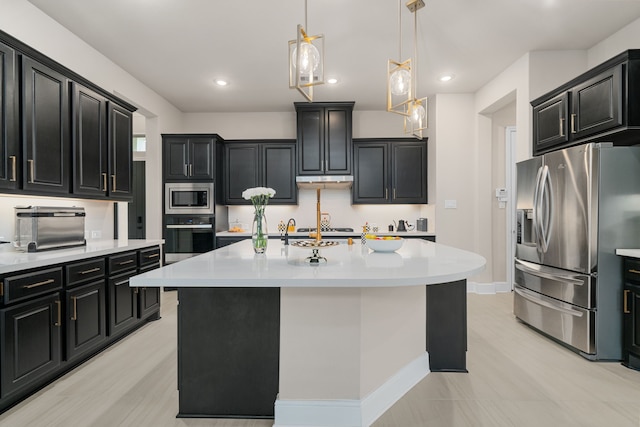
<point>343,214</point>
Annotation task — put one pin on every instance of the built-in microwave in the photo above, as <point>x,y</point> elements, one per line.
<point>191,198</point>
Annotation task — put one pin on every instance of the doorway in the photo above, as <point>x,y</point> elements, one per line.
<point>137,208</point>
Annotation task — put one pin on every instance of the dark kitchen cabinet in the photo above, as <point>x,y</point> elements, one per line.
<point>32,345</point>
<point>631,314</point>
<point>599,105</point>
<point>250,164</point>
<point>390,171</point>
<point>8,119</point>
<point>148,298</point>
<point>189,157</point>
<point>86,318</point>
<point>324,135</point>
<point>123,299</point>
<point>89,142</point>
<point>45,129</point>
<point>120,144</point>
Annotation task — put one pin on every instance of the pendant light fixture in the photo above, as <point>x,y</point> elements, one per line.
<point>306,60</point>
<point>399,77</point>
<point>415,120</point>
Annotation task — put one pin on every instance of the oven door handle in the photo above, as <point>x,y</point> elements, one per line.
<point>200,226</point>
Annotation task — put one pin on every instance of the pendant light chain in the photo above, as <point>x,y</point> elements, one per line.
<point>399,30</point>
<point>414,67</point>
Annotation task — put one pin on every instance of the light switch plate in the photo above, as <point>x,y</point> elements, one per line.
<point>450,204</point>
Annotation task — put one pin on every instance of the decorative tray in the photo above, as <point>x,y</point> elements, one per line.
<point>313,244</point>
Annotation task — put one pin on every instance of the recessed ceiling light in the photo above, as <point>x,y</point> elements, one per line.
<point>332,81</point>
<point>446,78</point>
<point>221,82</point>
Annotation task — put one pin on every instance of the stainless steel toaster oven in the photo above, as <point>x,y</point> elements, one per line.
<point>43,227</point>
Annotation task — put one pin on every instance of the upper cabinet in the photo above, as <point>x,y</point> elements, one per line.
<point>324,138</point>
<point>599,105</point>
<point>260,163</point>
<point>189,157</point>
<point>45,129</point>
<point>8,118</point>
<point>390,171</point>
<point>61,135</point>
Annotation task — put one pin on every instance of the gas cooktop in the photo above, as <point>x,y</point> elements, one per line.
<point>330,229</point>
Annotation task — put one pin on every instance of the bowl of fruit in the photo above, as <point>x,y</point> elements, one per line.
<point>384,243</point>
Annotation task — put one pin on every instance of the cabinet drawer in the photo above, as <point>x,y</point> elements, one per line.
<point>632,270</point>
<point>16,288</point>
<point>149,256</point>
<point>84,271</point>
<point>123,262</point>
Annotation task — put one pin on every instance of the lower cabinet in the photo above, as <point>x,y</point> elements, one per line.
<point>86,318</point>
<point>55,317</point>
<point>631,326</point>
<point>31,343</point>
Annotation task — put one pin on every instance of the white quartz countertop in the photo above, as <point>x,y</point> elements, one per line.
<point>329,234</point>
<point>12,260</point>
<point>631,253</point>
<point>417,262</point>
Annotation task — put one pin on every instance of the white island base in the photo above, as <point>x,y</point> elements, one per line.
<point>332,345</point>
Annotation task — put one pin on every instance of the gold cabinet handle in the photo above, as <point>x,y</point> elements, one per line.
<point>626,301</point>
<point>59,319</point>
<point>394,194</point>
<point>129,261</point>
<point>1,289</point>
<point>634,271</point>
<point>386,193</point>
<point>104,182</point>
<point>136,290</point>
<point>35,285</point>
<point>75,308</point>
<point>113,182</point>
<point>190,169</point>
<point>562,126</point>
<point>573,123</point>
<point>153,256</point>
<point>91,270</point>
<point>31,172</point>
<point>13,168</point>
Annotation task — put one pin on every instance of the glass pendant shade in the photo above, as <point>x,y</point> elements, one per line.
<point>400,82</point>
<point>416,120</point>
<point>306,62</point>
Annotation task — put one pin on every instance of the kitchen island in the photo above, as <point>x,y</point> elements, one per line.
<point>334,344</point>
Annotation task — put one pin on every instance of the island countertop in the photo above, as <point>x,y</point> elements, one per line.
<point>417,262</point>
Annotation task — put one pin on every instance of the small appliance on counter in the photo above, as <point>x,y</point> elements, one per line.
<point>40,228</point>
<point>421,224</point>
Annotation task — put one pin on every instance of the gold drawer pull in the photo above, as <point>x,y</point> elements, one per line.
<point>634,271</point>
<point>92,270</point>
<point>35,285</point>
<point>126,262</point>
<point>59,321</point>
<point>153,255</point>
<point>75,308</point>
<point>626,301</point>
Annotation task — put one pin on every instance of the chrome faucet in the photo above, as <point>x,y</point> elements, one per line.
<point>286,233</point>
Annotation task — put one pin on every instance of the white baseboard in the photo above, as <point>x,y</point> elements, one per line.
<point>488,288</point>
<point>351,413</point>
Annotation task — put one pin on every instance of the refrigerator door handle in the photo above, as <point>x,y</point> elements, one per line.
<point>536,210</point>
<point>546,225</point>
<point>545,302</point>
<point>522,266</point>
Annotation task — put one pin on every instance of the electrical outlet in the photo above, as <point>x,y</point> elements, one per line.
<point>96,234</point>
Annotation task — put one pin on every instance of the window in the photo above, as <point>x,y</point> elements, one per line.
<point>139,144</point>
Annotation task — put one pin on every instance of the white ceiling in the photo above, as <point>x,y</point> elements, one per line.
<point>178,47</point>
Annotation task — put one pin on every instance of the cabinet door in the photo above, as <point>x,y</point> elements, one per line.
<point>45,112</point>
<point>8,119</point>
<point>311,141</point>
<point>371,176</point>
<point>86,318</point>
<point>409,172</point>
<point>596,105</point>
<point>201,158</point>
<point>31,342</point>
<point>123,304</point>
<point>89,142</point>
<point>550,127</point>
<point>338,142</point>
<point>120,137</point>
<point>176,158</point>
<point>632,319</point>
<point>278,172</point>
<point>242,171</point>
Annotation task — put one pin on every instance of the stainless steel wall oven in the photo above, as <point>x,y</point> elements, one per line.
<point>188,236</point>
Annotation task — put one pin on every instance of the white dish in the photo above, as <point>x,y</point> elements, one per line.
<point>385,245</point>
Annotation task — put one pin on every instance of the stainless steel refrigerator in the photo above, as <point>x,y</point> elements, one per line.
<point>575,207</point>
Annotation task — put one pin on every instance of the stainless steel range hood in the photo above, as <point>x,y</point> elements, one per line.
<point>325,181</point>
